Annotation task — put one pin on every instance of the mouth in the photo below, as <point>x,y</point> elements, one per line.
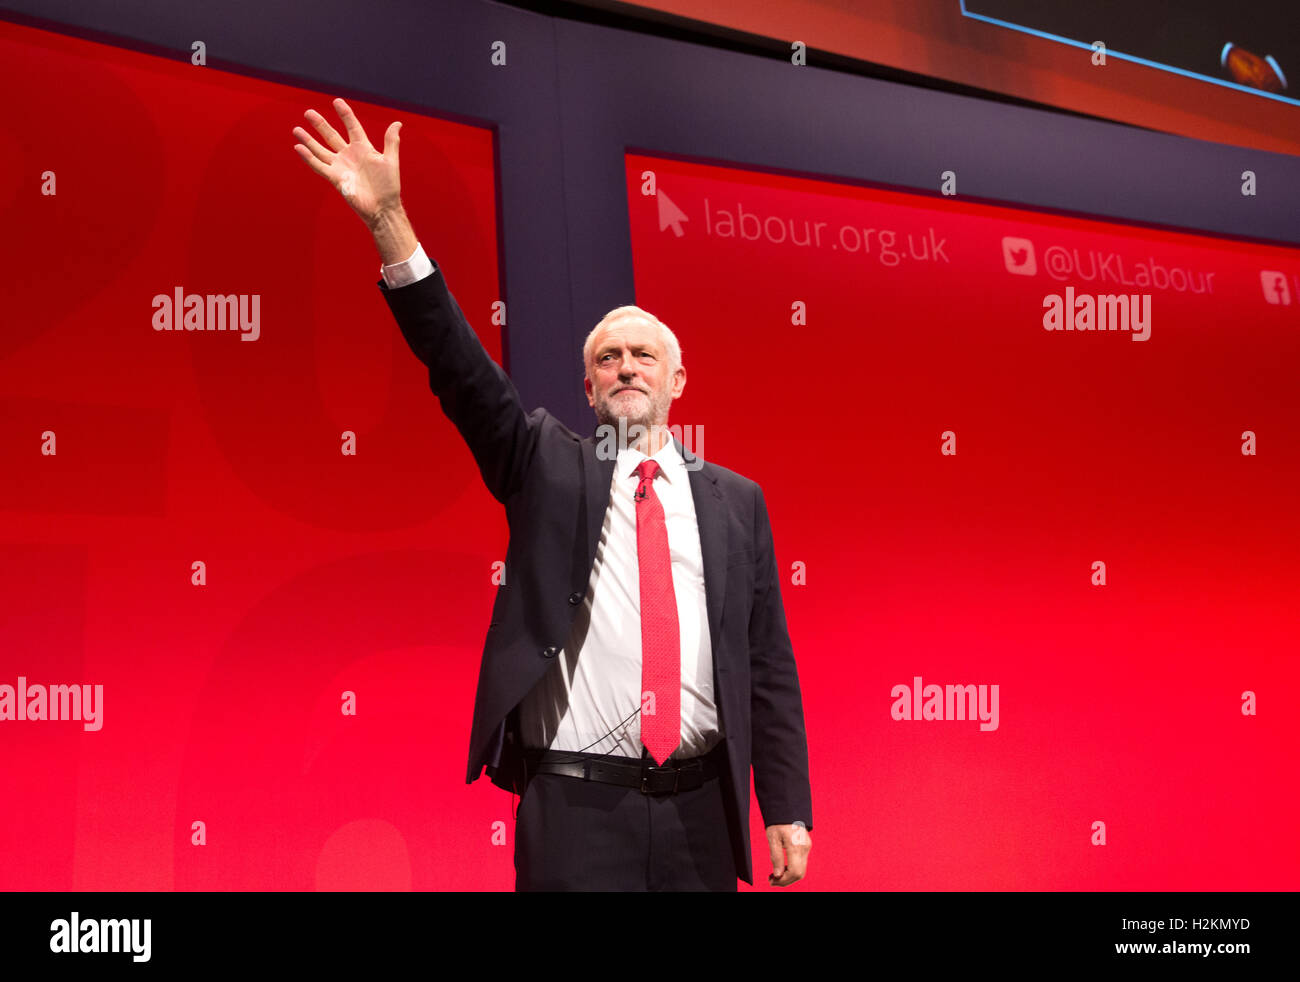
<point>629,389</point>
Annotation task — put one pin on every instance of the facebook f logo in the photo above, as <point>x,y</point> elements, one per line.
<point>1275,287</point>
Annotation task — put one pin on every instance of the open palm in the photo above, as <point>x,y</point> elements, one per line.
<point>368,180</point>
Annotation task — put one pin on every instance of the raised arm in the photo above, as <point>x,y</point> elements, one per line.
<point>476,395</point>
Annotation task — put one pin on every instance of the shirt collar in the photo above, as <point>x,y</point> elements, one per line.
<point>670,460</point>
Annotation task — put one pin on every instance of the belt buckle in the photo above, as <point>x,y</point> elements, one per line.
<point>645,777</point>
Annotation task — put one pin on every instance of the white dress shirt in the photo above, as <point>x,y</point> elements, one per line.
<point>590,696</point>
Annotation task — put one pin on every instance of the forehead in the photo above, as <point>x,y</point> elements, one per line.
<point>627,328</point>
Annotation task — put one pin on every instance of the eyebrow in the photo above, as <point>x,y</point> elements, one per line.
<point>651,346</point>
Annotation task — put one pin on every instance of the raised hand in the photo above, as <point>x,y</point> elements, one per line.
<point>368,180</point>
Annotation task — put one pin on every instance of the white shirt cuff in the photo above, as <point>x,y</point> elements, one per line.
<point>416,267</point>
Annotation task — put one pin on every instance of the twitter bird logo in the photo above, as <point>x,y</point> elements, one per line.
<point>1018,254</point>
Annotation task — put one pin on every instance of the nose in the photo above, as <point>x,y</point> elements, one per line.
<point>626,370</point>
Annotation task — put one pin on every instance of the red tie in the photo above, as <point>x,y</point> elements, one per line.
<point>661,668</point>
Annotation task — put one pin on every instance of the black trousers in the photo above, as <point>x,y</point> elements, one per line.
<point>572,834</point>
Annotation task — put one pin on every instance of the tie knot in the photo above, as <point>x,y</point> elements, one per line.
<point>647,469</point>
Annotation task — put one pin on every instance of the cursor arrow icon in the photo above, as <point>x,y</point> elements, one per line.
<point>670,214</point>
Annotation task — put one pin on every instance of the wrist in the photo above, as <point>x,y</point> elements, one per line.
<point>386,218</point>
<point>394,237</point>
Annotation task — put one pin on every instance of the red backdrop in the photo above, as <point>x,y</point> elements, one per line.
<point>1119,703</point>
<point>371,573</point>
<point>325,573</point>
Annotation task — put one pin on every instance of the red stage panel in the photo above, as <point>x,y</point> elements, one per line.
<point>366,573</point>
<point>1119,703</point>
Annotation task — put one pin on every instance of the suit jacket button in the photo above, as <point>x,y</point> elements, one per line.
<point>550,651</point>
<point>575,598</point>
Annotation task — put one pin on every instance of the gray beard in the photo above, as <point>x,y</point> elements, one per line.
<point>627,436</point>
<point>608,418</point>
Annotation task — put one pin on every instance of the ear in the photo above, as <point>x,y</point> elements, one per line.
<point>586,385</point>
<point>679,382</point>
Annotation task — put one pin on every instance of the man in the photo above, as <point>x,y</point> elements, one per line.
<point>637,662</point>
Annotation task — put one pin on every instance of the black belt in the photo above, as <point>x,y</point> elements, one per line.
<point>676,775</point>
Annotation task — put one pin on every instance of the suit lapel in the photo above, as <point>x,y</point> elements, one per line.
<point>711,517</point>
<point>599,475</point>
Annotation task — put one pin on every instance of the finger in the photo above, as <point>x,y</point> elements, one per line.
<point>323,155</point>
<point>776,852</point>
<point>328,132</point>
<point>798,864</point>
<point>312,162</point>
<point>391,139</point>
<point>350,121</point>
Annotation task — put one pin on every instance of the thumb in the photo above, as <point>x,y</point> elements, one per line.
<point>391,139</point>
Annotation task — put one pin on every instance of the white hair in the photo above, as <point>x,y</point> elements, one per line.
<point>666,337</point>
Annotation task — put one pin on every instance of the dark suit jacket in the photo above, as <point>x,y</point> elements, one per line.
<point>555,490</point>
